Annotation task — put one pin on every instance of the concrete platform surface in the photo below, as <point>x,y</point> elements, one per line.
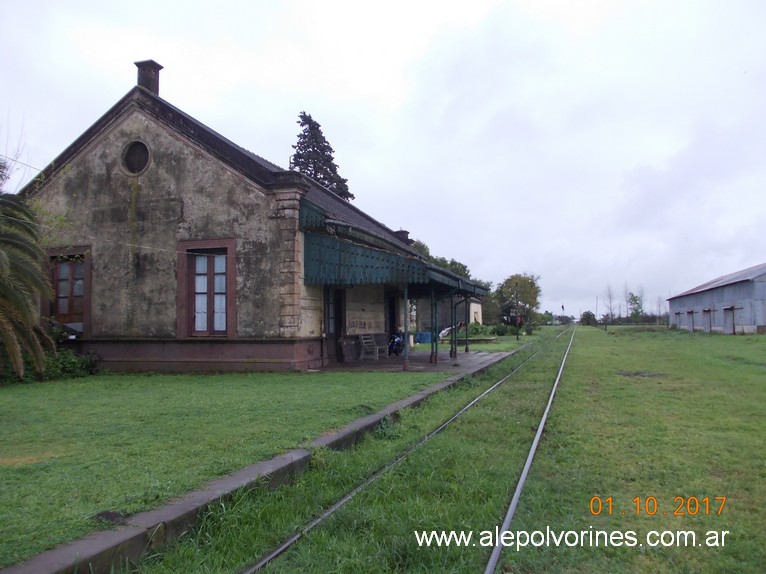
<point>420,360</point>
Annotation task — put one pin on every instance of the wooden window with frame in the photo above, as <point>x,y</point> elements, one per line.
<point>206,301</point>
<point>209,270</point>
<point>70,278</point>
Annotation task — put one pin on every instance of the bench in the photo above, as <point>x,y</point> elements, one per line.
<point>370,348</point>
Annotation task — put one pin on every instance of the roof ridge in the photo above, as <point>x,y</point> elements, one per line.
<point>747,274</point>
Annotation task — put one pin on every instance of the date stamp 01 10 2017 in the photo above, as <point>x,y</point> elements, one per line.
<point>648,505</point>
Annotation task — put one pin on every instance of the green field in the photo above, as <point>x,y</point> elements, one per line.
<point>667,420</point>
<point>639,414</point>
<point>125,443</point>
<point>665,424</point>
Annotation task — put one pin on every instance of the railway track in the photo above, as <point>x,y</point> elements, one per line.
<point>273,557</point>
<point>498,548</point>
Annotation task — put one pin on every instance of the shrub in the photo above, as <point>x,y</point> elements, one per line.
<point>531,326</point>
<point>500,330</point>
<point>477,329</point>
<point>64,364</point>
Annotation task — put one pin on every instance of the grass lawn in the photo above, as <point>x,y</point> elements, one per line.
<point>461,477</point>
<point>501,344</point>
<point>671,417</point>
<point>640,417</point>
<point>72,449</point>
<point>639,414</point>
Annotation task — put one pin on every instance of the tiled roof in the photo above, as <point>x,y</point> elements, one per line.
<point>334,206</point>
<point>256,168</point>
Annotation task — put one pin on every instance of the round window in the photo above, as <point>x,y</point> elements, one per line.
<point>135,158</point>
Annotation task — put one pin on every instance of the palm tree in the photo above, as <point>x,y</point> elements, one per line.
<point>23,280</point>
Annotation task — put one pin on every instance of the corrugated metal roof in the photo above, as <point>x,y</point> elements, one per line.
<point>749,274</point>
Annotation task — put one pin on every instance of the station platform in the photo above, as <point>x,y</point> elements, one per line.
<point>420,360</point>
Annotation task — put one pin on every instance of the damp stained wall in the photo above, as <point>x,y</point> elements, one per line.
<point>133,223</point>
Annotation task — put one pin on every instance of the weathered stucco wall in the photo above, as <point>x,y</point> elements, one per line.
<point>312,309</point>
<point>365,310</point>
<point>133,224</point>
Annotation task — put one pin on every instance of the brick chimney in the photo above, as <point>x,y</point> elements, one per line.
<point>404,236</point>
<point>149,75</point>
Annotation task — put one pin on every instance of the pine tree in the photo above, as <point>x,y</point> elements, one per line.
<point>314,157</point>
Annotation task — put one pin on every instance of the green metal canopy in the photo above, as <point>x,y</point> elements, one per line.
<point>329,260</point>
<point>351,250</point>
<point>332,261</point>
<point>345,247</point>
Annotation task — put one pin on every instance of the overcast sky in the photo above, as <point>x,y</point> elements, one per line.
<point>590,142</point>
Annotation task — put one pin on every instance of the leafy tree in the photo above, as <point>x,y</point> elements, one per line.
<point>453,265</point>
<point>23,280</point>
<point>490,310</point>
<point>588,318</point>
<point>635,306</point>
<point>314,157</point>
<point>519,295</point>
<point>421,248</point>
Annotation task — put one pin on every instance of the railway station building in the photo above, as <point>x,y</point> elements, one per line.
<point>173,248</point>
<point>731,304</point>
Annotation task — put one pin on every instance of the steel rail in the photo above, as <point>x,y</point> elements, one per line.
<point>495,556</point>
<point>316,521</point>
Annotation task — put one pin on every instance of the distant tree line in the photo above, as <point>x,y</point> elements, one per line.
<point>627,308</point>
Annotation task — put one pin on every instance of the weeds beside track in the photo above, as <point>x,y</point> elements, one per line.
<point>464,472</point>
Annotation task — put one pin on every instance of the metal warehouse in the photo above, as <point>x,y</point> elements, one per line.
<point>732,304</point>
